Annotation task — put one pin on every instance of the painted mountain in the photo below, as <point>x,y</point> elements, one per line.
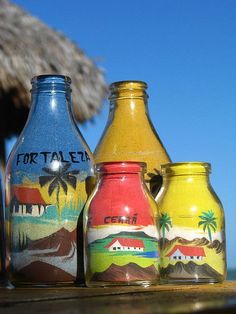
<point>55,256</point>
<point>128,272</point>
<point>60,243</point>
<point>189,270</point>
<point>216,244</point>
<point>136,234</point>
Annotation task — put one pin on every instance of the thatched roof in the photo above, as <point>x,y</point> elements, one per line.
<point>28,48</point>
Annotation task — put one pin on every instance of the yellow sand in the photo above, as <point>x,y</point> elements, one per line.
<point>130,136</point>
<point>184,198</point>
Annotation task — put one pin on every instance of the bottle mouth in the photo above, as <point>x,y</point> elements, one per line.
<point>121,167</point>
<point>51,82</point>
<point>129,85</point>
<point>128,89</point>
<point>185,168</point>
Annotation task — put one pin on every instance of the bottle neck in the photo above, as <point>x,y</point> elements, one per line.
<point>121,176</point>
<point>51,105</point>
<point>128,101</point>
<point>129,110</point>
<point>51,99</point>
<point>118,184</point>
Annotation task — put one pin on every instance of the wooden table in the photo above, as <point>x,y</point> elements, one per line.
<point>217,298</point>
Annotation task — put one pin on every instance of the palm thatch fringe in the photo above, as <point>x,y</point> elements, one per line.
<point>28,48</point>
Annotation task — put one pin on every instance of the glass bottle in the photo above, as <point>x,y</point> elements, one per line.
<point>120,228</point>
<point>2,237</point>
<point>192,226</point>
<point>130,134</point>
<point>46,179</point>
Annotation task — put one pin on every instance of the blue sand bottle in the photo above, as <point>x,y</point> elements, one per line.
<point>46,177</point>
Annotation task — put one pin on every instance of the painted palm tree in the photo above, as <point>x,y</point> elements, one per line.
<point>59,178</point>
<point>208,222</point>
<point>165,224</point>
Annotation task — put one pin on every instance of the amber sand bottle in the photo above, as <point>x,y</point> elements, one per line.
<point>130,134</point>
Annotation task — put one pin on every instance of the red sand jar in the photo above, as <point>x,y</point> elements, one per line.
<point>120,228</point>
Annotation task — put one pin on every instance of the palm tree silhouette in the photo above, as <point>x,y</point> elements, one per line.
<point>165,224</point>
<point>208,222</point>
<point>155,181</point>
<point>59,178</point>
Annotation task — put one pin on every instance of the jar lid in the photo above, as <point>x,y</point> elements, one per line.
<point>121,167</point>
<point>182,168</point>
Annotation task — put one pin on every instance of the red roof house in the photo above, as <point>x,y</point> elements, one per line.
<point>27,195</point>
<point>125,244</point>
<point>27,201</point>
<point>186,252</point>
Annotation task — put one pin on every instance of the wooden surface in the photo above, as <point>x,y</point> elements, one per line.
<point>211,298</point>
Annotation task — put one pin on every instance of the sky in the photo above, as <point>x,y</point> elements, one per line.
<point>186,52</point>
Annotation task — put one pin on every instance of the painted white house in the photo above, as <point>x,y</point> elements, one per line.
<point>24,210</point>
<point>182,252</point>
<point>125,244</point>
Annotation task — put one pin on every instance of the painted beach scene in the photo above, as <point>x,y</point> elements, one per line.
<point>42,220</point>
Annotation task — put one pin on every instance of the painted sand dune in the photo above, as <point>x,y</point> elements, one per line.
<point>48,273</point>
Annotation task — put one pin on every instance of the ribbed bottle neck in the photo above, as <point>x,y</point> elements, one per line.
<point>128,90</point>
<point>51,84</point>
<point>51,99</point>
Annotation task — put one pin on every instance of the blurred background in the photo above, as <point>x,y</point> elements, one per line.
<point>185,51</point>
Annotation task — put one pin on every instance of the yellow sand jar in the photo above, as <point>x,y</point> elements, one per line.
<point>192,228</point>
<point>129,134</point>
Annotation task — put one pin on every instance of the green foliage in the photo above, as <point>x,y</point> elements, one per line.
<point>22,241</point>
<point>101,258</point>
<point>165,224</point>
<point>208,222</point>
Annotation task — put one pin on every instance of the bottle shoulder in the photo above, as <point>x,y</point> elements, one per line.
<point>113,202</point>
<point>130,144</point>
<point>197,198</point>
<point>34,154</point>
